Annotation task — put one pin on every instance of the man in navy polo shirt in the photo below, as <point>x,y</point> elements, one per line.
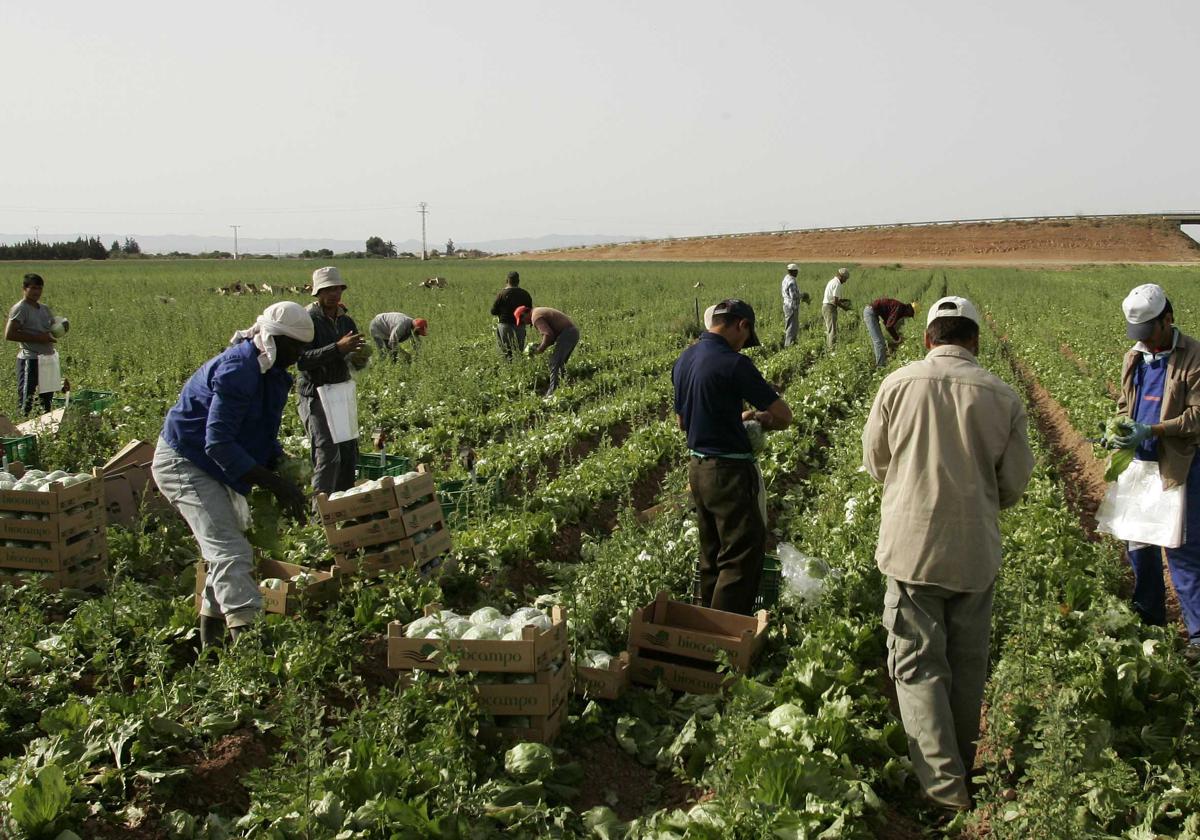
<point>713,381</point>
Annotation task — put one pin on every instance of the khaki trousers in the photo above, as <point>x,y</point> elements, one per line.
<point>829,314</point>
<point>938,657</point>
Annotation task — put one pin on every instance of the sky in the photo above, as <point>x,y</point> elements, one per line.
<point>305,119</point>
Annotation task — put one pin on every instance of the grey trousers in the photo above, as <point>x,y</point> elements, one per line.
<point>334,464</point>
<point>938,657</point>
<point>564,346</point>
<point>510,338</point>
<point>829,314</point>
<point>230,590</point>
<point>876,332</point>
<point>791,325</point>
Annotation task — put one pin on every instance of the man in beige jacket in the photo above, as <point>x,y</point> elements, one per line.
<point>949,441</point>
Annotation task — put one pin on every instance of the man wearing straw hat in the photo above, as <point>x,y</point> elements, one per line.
<point>221,438</point>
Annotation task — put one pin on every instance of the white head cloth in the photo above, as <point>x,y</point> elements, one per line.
<point>286,318</point>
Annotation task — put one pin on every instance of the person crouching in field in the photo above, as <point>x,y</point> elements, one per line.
<point>29,323</point>
<point>885,314</point>
<point>712,382</point>
<point>1160,392</point>
<point>948,440</point>
<point>221,438</point>
<point>558,331</point>
<point>391,329</point>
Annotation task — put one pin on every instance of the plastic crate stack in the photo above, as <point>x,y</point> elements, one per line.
<point>54,538</point>
<point>396,523</point>
<point>524,684</point>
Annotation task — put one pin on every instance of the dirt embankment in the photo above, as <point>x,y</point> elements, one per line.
<point>1047,242</point>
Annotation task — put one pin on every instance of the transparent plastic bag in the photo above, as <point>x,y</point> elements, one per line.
<point>803,576</point>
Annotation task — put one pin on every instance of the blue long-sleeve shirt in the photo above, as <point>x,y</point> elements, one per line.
<point>227,418</point>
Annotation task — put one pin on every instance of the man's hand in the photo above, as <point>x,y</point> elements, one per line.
<point>351,342</point>
<point>290,498</point>
<point>1138,435</point>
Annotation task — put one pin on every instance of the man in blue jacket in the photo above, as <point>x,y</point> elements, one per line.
<point>221,438</point>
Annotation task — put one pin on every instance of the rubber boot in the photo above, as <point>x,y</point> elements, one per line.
<point>212,631</point>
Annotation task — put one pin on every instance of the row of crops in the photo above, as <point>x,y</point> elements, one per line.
<point>111,724</point>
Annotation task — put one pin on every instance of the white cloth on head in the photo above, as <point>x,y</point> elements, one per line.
<point>285,318</point>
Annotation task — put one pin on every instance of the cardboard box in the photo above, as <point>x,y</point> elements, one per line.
<point>397,524</point>
<point>392,493</point>
<point>136,453</point>
<point>56,557</point>
<point>604,683</point>
<point>84,576</point>
<point>58,528</point>
<point>541,697</point>
<point>542,730</point>
<point>58,499</point>
<point>678,628</point>
<point>290,598</point>
<point>533,653</point>
<point>694,679</point>
<point>396,556</point>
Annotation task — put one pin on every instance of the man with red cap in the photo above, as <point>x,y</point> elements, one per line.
<point>558,331</point>
<point>390,329</point>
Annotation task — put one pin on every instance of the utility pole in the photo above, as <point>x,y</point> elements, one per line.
<point>36,235</point>
<point>422,209</point>
<point>235,230</point>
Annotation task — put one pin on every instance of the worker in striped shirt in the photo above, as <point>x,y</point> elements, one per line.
<point>886,314</point>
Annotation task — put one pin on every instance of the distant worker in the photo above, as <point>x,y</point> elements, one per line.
<point>29,322</point>
<point>1160,392</point>
<point>221,438</point>
<point>792,298</point>
<point>558,331</point>
<point>391,329</point>
<point>713,382</point>
<point>885,314</point>
<point>510,334</point>
<point>948,440</point>
<point>335,346</point>
<point>831,303</point>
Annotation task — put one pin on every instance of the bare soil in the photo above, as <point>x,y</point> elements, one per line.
<point>1047,242</point>
<point>616,779</point>
<point>216,778</point>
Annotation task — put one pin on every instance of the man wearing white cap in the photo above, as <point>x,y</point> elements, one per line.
<point>831,302</point>
<point>219,439</point>
<point>948,440</point>
<point>1160,392</point>
<point>791,305</point>
<point>328,361</point>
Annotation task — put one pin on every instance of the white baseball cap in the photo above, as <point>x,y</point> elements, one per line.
<point>793,267</point>
<point>327,277</point>
<point>1141,307</point>
<point>708,317</point>
<point>952,307</point>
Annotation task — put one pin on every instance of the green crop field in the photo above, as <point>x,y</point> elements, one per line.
<point>113,725</point>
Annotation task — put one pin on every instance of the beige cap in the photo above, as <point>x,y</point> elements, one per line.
<point>793,267</point>
<point>952,307</point>
<point>327,277</point>
<point>843,273</point>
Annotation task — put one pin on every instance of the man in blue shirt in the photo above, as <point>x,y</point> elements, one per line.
<point>1160,392</point>
<point>221,438</point>
<point>713,381</point>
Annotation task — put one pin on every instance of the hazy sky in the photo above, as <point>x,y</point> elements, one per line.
<point>643,118</point>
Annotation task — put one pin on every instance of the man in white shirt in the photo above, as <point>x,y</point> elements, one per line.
<point>791,305</point>
<point>832,302</point>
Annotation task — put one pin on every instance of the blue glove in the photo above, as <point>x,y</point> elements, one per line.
<point>1138,435</point>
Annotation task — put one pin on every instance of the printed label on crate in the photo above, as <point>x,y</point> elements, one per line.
<point>677,677</point>
<point>537,698</point>
<point>688,644</point>
<point>528,655</point>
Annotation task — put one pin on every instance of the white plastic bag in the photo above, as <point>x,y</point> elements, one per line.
<point>804,576</point>
<point>1137,508</point>
<point>340,402</point>
<point>241,509</point>
<point>49,373</point>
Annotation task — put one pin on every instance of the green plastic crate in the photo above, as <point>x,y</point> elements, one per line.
<point>459,498</point>
<point>87,400</point>
<point>769,585</point>
<point>23,449</point>
<point>379,464</point>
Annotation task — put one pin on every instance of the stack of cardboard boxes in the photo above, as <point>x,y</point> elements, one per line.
<point>55,538</point>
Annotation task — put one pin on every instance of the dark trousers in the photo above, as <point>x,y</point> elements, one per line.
<point>510,337</point>
<point>564,346</point>
<point>334,464</point>
<point>733,535</point>
<point>1149,588</point>
<point>27,385</point>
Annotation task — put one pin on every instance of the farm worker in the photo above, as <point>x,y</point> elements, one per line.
<point>1160,392</point>
<point>713,381</point>
<point>391,329</point>
<point>29,323</point>
<point>948,440</point>
<point>558,331</point>
<point>510,333</point>
<point>832,302</point>
<point>881,314</point>
<point>326,361</point>
<point>222,437</point>
<point>791,305</point>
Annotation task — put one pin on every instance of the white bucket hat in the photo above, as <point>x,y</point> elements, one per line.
<point>325,278</point>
